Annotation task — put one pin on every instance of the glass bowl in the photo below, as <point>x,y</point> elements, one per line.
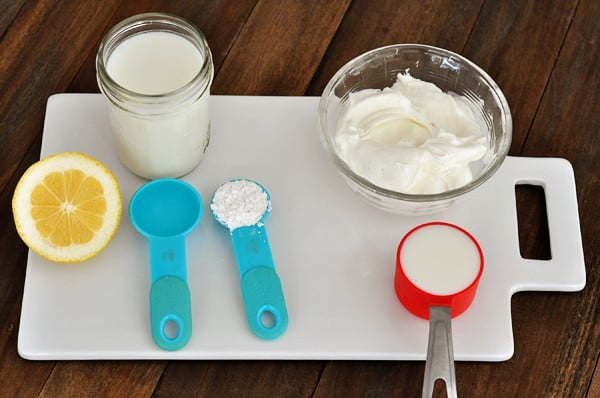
<point>451,72</point>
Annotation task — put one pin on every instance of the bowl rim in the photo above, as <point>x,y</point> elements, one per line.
<point>493,166</point>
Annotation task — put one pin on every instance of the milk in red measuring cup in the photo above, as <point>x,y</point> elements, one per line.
<point>438,267</point>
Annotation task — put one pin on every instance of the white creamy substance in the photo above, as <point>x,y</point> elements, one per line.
<point>158,141</point>
<point>240,203</point>
<point>440,260</point>
<point>411,137</point>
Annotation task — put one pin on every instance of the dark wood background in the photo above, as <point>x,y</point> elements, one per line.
<point>544,55</point>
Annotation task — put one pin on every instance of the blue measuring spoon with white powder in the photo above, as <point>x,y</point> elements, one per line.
<point>242,205</point>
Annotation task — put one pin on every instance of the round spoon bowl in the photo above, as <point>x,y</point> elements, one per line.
<point>234,204</point>
<point>165,207</point>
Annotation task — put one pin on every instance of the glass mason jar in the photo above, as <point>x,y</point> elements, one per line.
<point>161,128</point>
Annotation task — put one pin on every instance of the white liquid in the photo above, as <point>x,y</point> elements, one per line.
<point>160,140</point>
<point>154,63</point>
<point>440,260</point>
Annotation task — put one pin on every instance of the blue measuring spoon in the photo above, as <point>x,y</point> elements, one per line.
<point>242,206</point>
<point>165,211</point>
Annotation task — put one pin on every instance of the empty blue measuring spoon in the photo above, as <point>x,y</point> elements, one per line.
<point>165,211</point>
<point>242,206</point>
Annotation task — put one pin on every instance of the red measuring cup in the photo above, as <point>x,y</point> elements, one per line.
<point>438,268</point>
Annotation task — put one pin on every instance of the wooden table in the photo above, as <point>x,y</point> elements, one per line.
<point>543,54</point>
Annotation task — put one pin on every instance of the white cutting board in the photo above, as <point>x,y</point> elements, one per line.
<point>333,252</point>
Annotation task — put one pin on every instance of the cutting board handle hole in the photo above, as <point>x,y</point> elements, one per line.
<point>532,219</point>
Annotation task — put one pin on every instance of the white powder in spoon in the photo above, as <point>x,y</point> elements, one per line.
<point>240,203</point>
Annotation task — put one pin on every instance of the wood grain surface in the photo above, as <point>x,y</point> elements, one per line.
<point>543,54</point>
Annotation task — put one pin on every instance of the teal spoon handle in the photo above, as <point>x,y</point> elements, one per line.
<point>261,288</point>
<point>170,304</point>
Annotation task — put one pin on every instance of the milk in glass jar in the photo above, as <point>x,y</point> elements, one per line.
<point>155,71</point>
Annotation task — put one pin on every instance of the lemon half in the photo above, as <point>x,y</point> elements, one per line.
<point>67,207</point>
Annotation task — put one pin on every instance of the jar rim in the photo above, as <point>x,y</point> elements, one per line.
<point>138,24</point>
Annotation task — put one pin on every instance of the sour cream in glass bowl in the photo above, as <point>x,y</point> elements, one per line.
<point>413,128</point>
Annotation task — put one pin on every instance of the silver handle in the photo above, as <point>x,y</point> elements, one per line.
<point>440,353</point>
